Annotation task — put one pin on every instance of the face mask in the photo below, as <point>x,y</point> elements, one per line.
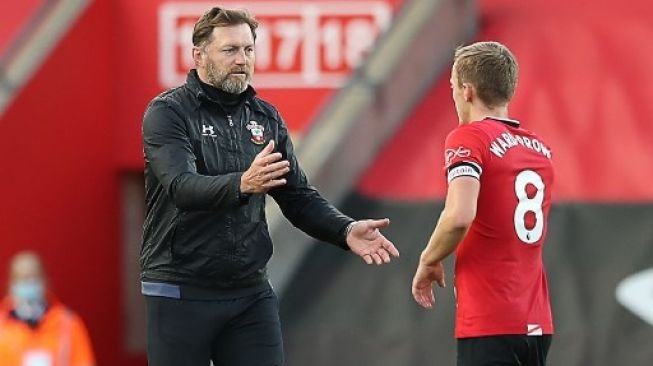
<point>28,291</point>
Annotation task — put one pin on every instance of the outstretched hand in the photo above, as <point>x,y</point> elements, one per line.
<point>423,283</point>
<point>367,242</point>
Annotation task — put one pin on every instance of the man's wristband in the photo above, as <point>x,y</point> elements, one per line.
<point>350,226</point>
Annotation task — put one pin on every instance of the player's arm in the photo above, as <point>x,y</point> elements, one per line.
<point>456,218</point>
<point>465,155</point>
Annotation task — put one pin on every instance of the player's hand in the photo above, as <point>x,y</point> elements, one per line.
<point>265,172</point>
<point>367,242</point>
<point>423,281</point>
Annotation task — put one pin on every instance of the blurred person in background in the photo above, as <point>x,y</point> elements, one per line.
<point>213,151</point>
<point>36,329</point>
<point>500,180</point>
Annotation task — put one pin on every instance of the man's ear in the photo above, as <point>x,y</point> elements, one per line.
<point>468,92</point>
<point>198,56</point>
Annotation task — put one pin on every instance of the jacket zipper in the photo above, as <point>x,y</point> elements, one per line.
<point>233,141</point>
<point>234,146</point>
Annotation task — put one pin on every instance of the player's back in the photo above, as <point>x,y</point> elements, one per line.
<point>500,281</point>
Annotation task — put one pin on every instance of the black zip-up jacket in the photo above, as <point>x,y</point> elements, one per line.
<point>200,230</point>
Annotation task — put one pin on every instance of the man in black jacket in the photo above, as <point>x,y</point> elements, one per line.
<point>213,150</point>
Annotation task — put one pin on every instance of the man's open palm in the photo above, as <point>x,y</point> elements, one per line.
<point>367,242</point>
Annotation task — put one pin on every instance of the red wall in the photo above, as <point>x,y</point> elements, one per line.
<point>13,17</point>
<point>59,181</point>
<point>584,87</point>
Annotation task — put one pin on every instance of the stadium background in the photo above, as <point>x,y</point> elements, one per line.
<point>75,76</point>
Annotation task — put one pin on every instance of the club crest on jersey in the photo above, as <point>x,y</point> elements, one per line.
<point>460,152</point>
<point>257,132</point>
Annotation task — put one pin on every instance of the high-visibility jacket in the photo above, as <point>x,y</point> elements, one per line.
<point>59,339</point>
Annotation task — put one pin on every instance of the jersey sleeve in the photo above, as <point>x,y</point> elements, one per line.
<point>465,153</point>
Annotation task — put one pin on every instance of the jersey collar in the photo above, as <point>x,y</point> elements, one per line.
<point>508,121</point>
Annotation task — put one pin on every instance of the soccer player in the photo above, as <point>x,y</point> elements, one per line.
<point>500,179</point>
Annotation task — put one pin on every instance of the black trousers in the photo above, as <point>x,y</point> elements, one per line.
<point>238,332</point>
<point>504,350</point>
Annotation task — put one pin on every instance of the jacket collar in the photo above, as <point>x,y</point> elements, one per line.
<point>193,84</point>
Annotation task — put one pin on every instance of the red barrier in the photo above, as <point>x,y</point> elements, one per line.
<point>585,85</point>
<point>14,18</point>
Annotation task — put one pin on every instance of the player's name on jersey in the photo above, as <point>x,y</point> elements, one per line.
<point>506,141</point>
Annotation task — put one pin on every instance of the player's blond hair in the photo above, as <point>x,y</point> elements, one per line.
<point>491,68</point>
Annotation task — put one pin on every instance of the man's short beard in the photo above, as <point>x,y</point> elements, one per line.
<point>223,80</point>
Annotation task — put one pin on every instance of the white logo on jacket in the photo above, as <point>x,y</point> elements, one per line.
<point>208,131</point>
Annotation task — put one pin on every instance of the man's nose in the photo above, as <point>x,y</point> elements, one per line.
<point>241,57</point>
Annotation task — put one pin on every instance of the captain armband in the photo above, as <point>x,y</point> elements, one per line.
<point>466,169</point>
